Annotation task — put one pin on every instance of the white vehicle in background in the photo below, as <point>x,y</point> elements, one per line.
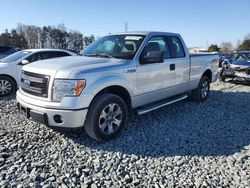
<point>10,66</point>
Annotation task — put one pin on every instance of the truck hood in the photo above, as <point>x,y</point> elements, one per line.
<point>63,67</point>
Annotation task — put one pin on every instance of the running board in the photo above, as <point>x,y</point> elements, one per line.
<point>162,103</point>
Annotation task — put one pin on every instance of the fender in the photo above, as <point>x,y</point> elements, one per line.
<point>105,81</point>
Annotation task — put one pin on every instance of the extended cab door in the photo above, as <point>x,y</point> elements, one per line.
<point>180,62</point>
<point>154,79</point>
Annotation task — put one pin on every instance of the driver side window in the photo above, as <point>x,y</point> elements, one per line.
<point>157,44</point>
<point>33,57</point>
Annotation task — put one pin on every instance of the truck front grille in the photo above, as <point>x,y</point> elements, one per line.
<point>35,84</point>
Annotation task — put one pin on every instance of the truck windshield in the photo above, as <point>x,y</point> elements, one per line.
<point>14,57</point>
<point>115,46</point>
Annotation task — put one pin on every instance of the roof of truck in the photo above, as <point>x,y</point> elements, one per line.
<point>43,49</point>
<point>144,33</point>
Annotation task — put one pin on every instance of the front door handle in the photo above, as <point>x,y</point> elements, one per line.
<point>172,67</point>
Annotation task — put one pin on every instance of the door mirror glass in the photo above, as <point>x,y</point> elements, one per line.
<point>155,51</point>
<point>153,57</point>
<point>24,62</point>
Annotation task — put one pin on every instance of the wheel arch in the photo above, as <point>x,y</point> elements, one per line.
<point>208,73</point>
<point>119,91</point>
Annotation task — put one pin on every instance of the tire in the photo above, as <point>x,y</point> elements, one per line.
<point>100,121</point>
<point>7,86</point>
<point>201,93</point>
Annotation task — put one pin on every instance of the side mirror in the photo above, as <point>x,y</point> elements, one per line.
<point>153,57</point>
<point>24,62</point>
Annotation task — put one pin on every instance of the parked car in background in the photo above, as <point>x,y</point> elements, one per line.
<point>236,66</point>
<point>223,56</point>
<point>120,72</point>
<point>6,50</point>
<point>10,66</point>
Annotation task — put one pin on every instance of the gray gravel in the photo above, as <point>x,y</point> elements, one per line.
<point>183,145</point>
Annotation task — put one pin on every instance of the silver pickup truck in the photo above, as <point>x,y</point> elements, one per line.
<point>119,72</point>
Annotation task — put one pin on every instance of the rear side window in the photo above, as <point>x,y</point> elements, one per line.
<point>176,47</point>
<point>59,54</point>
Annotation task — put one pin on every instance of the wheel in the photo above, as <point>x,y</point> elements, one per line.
<point>106,117</point>
<point>201,93</point>
<point>7,86</point>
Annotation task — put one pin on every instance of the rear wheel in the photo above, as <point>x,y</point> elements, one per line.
<point>7,86</point>
<point>106,118</point>
<point>201,93</point>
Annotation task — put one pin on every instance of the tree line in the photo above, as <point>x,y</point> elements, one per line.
<point>31,36</point>
<point>227,47</point>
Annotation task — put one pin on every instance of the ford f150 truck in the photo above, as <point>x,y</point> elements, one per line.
<point>117,73</point>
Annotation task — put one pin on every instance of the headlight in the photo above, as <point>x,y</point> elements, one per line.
<point>62,88</point>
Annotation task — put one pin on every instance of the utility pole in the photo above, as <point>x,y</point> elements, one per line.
<point>126,26</point>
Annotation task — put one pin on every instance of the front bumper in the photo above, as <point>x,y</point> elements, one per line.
<point>69,118</point>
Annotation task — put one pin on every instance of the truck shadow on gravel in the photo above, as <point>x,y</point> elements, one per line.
<point>218,127</point>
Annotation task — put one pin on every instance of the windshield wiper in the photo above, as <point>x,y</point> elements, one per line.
<point>99,55</point>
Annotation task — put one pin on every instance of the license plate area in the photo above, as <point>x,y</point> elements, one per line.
<point>34,115</point>
<point>39,117</point>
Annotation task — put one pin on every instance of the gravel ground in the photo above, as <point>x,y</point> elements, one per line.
<point>183,145</point>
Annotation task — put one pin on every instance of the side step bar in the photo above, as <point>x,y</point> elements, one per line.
<point>157,105</point>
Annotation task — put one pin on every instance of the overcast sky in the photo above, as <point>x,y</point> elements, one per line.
<point>200,22</point>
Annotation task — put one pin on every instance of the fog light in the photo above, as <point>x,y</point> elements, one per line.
<point>58,119</point>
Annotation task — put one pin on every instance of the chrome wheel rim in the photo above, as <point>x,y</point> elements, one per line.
<point>204,89</point>
<point>110,119</point>
<point>5,87</point>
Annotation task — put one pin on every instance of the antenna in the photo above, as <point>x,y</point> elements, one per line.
<point>126,26</point>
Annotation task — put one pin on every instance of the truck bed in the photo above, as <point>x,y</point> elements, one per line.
<point>202,54</point>
<point>198,63</point>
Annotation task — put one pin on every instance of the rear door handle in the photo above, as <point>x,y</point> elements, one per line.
<point>172,67</point>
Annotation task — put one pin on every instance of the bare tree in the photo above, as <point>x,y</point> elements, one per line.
<point>247,36</point>
<point>75,41</point>
<point>46,37</point>
<point>88,40</point>
<point>226,47</point>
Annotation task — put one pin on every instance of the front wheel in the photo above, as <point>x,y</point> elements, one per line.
<point>106,118</point>
<point>201,93</point>
<point>7,86</point>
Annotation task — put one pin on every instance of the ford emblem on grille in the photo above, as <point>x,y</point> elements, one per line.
<point>26,83</point>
